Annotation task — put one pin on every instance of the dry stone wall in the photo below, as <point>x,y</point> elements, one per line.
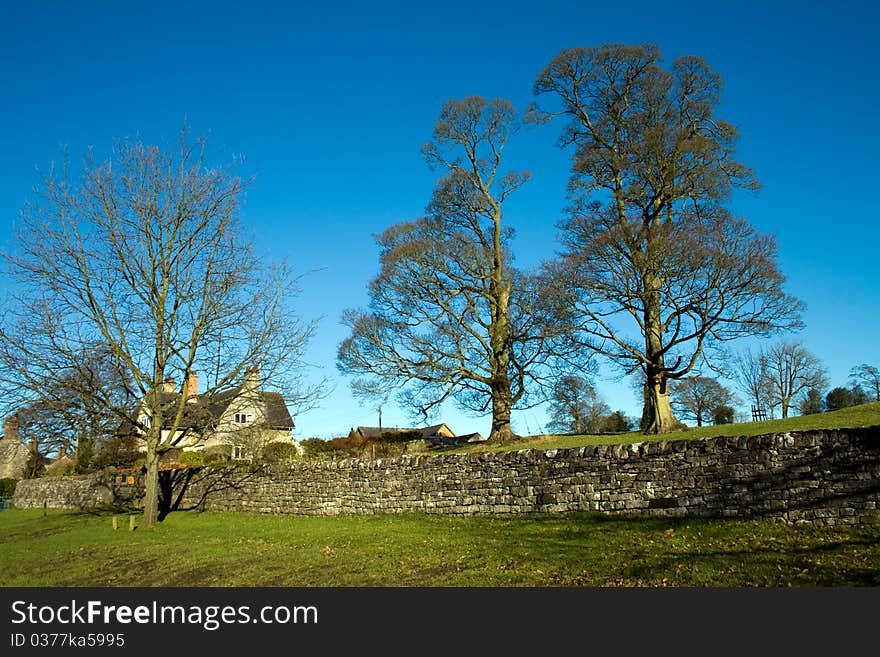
<point>79,492</point>
<point>823,477</point>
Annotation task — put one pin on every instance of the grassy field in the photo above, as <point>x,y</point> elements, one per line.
<point>865,415</point>
<point>58,548</point>
<point>226,549</point>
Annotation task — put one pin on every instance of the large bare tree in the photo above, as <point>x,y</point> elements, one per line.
<point>449,318</point>
<point>655,271</point>
<point>748,369</point>
<point>791,370</point>
<point>143,254</point>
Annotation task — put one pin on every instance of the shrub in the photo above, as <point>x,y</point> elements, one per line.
<point>398,436</point>
<point>85,453</point>
<point>315,448</point>
<point>616,422</point>
<point>354,445</point>
<point>841,397</point>
<point>347,446</point>
<point>118,452</point>
<point>722,415</point>
<point>812,402</point>
<point>217,454</point>
<point>7,486</point>
<point>280,452</point>
<point>191,457</point>
<point>65,468</point>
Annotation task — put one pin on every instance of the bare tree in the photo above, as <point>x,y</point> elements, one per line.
<point>449,317</point>
<point>748,370</point>
<point>655,272</point>
<point>791,370</point>
<point>144,255</point>
<point>575,406</point>
<point>64,414</point>
<point>697,397</point>
<point>867,376</point>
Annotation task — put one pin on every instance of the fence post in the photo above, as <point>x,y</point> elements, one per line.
<point>131,523</point>
<point>115,523</point>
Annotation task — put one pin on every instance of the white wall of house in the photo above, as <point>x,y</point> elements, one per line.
<point>245,414</point>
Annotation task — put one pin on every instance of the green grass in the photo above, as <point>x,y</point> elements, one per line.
<point>236,549</point>
<point>865,415</point>
<point>61,548</point>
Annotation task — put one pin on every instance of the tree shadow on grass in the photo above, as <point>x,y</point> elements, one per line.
<point>593,549</point>
<point>816,565</point>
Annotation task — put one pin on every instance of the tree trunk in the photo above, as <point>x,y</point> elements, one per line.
<point>657,415</point>
<point>785,404</point>
<point>501,406</point>
<point>151,493</point>
<point>499,305</point>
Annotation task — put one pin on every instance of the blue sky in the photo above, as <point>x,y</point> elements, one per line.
<point>330,103</point>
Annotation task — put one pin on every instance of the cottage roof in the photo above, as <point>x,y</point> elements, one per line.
<point>205,411</point>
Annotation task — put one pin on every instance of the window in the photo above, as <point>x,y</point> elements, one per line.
<point>239,452</point>
<point>243,418</point>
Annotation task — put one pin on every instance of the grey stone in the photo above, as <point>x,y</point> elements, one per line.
<point>817,477</point>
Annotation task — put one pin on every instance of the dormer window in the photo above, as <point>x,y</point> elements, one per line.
<point>243,418</point>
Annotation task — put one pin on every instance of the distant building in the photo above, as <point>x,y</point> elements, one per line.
<point>435,436</point>
<point>14,454</point>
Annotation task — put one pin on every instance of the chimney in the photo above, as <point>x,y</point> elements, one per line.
<point>252,377</point>
<point>192,386</point>
<point>10,427</point>
<point>169,385</point>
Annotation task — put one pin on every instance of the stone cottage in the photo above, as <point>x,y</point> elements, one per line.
<point>239,421</point>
